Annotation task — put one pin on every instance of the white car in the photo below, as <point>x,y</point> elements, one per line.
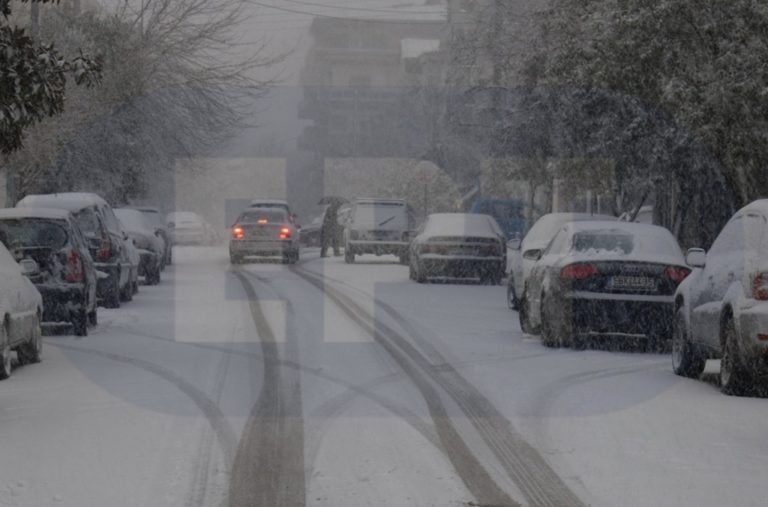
<point>451,246</point>
<point>21,309</point>
<point>722,308</point>
<point>380,227</point>
<point>521,256</point>
<point>189,228</point>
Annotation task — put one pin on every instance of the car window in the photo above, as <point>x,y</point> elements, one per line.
<point>263,216</point>
<point>33,233</point>
<point>558,243</point>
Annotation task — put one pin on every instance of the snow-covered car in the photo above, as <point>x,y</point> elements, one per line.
<point>189,228</point>
<point>21,311</point>
<point>155,219</point>
<point>274,203</point>
<point>378,226</point>
<point>264,232</point>
<point>521,256</point>
<point>604,279</point>
<point>65,275</point>
<point>147,240</point>
<point>451,246</point>
<point>722,308</point>
<point>102,231</point>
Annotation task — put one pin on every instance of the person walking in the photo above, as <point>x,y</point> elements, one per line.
<point>330,231</point>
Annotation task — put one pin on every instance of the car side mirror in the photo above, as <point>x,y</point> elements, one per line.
<point>532,255</point>
<point>696,258</point>
<point>514,244</point>
<point>29,267</point>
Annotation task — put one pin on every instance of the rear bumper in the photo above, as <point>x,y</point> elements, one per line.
<point>261,248</point>
<point>62,301</point>
<point>629,315</point>
<point>378,247</point>
<point>458,267</point>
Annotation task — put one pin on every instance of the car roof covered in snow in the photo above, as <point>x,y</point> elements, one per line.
<point>760,206</point>
<point>47,213</point>
<point>70,201</point>
<point>377,200</point>
<point>461,224</point>
<point>269,202</point>
<point>547,225</point>
<point>132,220</point>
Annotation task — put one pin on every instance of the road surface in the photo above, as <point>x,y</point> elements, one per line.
<point>337,385</point>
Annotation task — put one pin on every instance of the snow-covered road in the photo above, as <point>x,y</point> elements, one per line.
<point>336,385</point>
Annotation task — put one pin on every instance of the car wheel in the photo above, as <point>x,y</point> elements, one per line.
<point>153,277</point>
<point>93,317</point>
<point>512,302</point>
<point>349,255</point>
<point>135,287</point>
<point>735,378</point>
<point>126,293</point>
<point>524,314</point>
<point>421,277</point>
<point>112,299</point>
<point>80,323</point>
<point>550,336</point>
<point>32,351</point>
<point>5,355</point>
<point>411,271</point>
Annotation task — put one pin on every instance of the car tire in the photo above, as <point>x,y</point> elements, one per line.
<point>32,351</point>
<point>550,336</point>
<point>687,361</point>
<point>153,277</point>
<point>411,271</point>
<point>112,298</point>
<point>5,354</point>
<point>512,302</point>
<point>524,315</point>
<point>735,378</point>
<point>93,317</point>
<point>80,323</point>
<point>135,287</point>
<point>421,277</point>
<point>126,293</point>
<point>349,255</point>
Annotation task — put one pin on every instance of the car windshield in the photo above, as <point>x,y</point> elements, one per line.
<point>385,253</point>
<point>32,233</point>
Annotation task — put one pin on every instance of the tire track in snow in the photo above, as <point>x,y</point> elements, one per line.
<point>523,464</point>
<point>268,469</point>
<point>225,435</point>
<point>475,477</point>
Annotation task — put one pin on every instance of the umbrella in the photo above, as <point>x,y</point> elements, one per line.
<point>333,200</point>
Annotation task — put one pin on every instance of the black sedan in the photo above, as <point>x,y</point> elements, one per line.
<point>604,279</point>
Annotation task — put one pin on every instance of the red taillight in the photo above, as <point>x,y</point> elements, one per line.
<point>74,269</point>
<point>285,232</point>
<point>760,286</point>
<point>105,250</point>
<point>578,271</point>
<point>676,273</point>
<point>238,232</point>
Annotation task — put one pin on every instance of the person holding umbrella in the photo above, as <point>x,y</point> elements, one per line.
<point>330,234</point>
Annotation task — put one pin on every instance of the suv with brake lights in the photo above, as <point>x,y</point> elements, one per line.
<point>64,275</point>
<point>722,307</point>
<point>264,232</point>
<point>103,233</point>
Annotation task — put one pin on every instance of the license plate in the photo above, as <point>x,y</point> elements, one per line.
<point>642,283</point>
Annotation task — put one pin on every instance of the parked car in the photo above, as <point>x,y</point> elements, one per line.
<point>508,213</point>
<point>264,232</point>
<point>188,228</point>
<point>604,279</point>
<point>722,308</point>
<point>21,312</point>
<point>148,242</point>
<point>102,231</point>
<point>458,246</point>
<point>521,255</point>
<point>378,226</point>
<point>310,233</point>
<point>65,274</point>
<point>155,219</point>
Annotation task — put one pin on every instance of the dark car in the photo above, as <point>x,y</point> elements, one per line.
<point>604,279</point>
<point>147,240</point>
<point>66,276</point>
<point>453,246</point>
<point>156,220</point>
<point>102,231</point>
<point>264,232</point>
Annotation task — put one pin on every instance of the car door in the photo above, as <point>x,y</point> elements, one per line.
<point>724,260</point>
<point>19,298</point>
